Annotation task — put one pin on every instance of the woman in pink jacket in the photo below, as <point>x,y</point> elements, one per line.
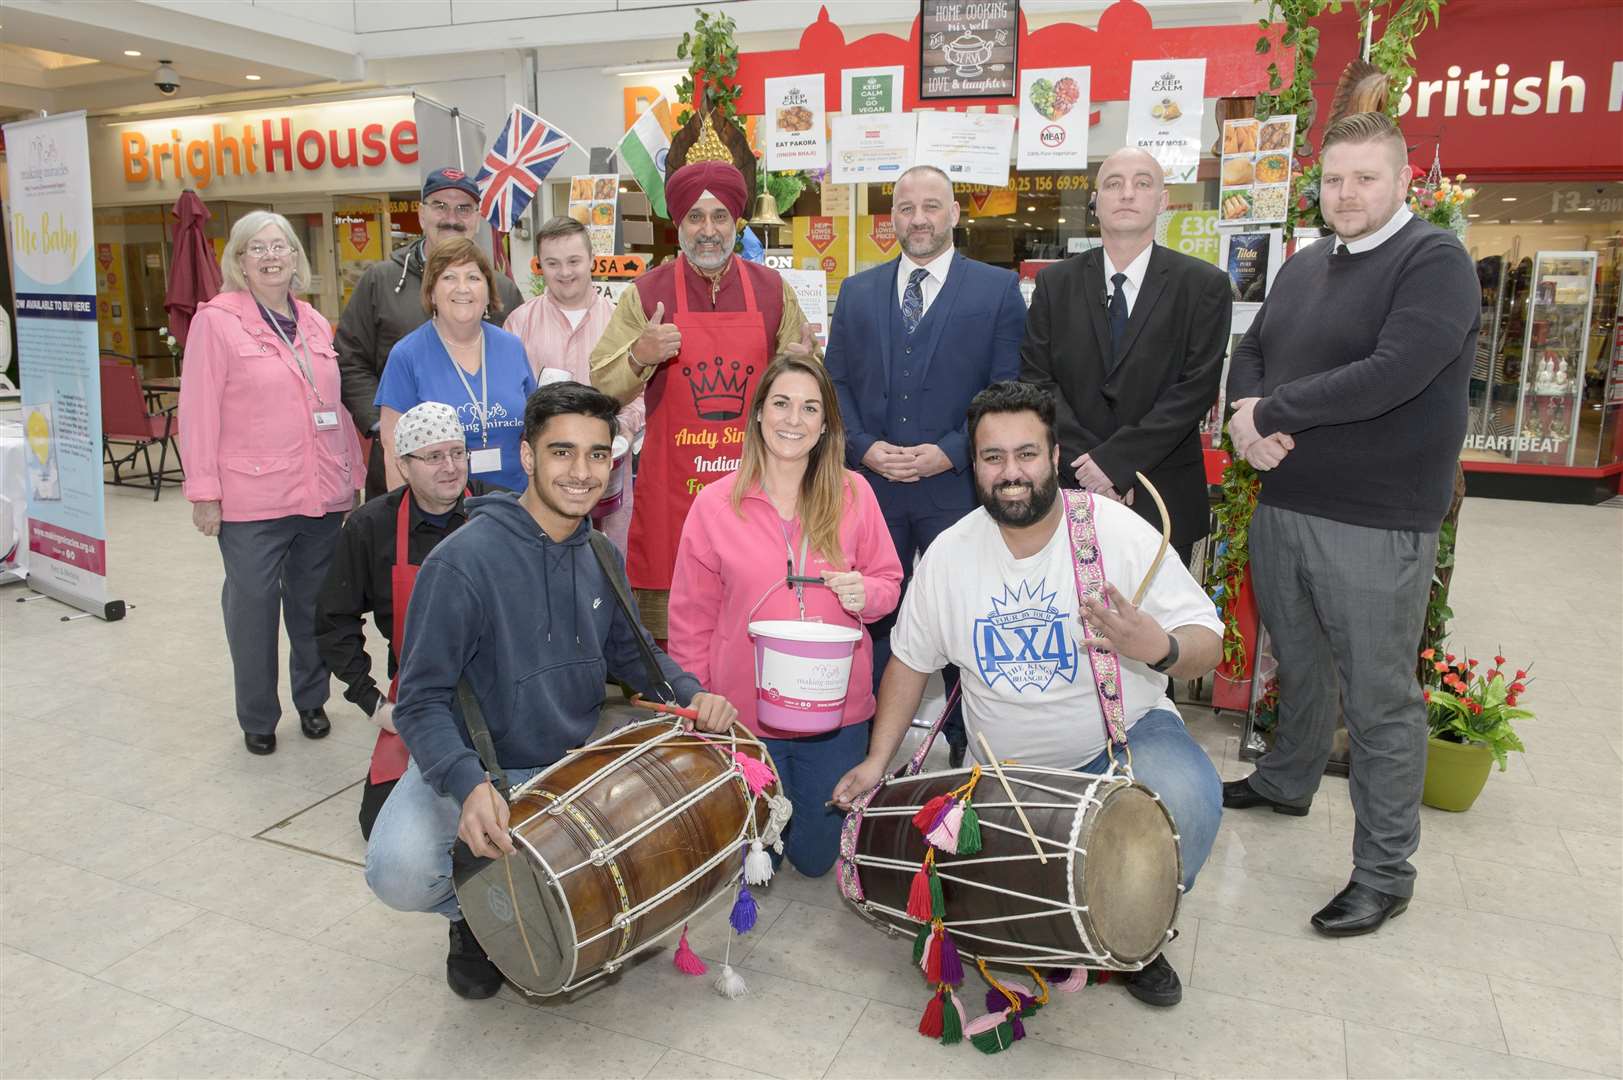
<point>272,464</point>
<point>790,503</point>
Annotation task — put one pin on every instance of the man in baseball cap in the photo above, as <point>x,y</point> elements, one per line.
<point>386,304</point>
<point>375,566</point>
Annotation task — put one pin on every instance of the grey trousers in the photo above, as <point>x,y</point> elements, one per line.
<point>1344,606</point>
<point>272,567</point>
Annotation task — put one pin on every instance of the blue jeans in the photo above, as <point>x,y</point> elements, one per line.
<point>408,858</point>
<point>1173,765</point>
<point>809,768</point>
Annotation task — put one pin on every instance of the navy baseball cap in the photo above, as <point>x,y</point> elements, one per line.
<point>440,179</point>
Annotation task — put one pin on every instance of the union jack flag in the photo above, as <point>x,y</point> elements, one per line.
<point>525,150</point>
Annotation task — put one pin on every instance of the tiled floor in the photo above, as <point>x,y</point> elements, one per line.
<point>171,906</point>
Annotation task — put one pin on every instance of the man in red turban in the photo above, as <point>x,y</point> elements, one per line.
<point>695,334</point>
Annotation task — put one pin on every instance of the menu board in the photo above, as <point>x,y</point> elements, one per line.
<point>968,48</point>
<point>1164,107</point>
<point>592,201</point>
<point>1256,170</point>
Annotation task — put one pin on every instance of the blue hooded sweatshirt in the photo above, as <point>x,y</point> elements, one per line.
<point>533,626</point>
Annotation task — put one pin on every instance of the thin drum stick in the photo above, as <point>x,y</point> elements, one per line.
<point>1166,539</point>
<point>518,911</point>
<point>659,706</point>
<point>997,768</point>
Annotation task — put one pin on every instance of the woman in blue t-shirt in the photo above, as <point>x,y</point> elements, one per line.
<point>458,359</point>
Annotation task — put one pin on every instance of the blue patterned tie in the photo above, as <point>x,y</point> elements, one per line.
<point>1118,318</point>
<point>913,299</point>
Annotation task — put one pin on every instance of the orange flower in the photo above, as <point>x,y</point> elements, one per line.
<point>1428,654</point>
<point>1439,666</point>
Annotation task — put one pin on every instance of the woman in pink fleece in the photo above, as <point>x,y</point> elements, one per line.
<point>791,503</point>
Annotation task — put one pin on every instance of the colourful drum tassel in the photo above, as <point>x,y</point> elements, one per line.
<point>938,901</point>
<point>757,864</point>
<point>994,1038</point>
<point>757,774</point>
<point>925,888</point>
<point>952,968</point>
<point>919,943</point>
<point>1069,980</point>
<point>686,960</point>
<point>927,815</point>
<point>945,833</point>
<point>969,831</point>
<point>744,912</point>
<point>952,1019</point>
<point>930,1024</point>
<point>729,984</point>
<point>932,957</point>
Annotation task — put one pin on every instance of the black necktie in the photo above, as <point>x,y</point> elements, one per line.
<point>1341,249</point>
<point>1118,318</point>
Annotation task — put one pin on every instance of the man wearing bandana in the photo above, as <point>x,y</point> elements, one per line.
<point>692,335</point>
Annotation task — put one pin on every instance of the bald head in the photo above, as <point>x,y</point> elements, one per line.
<point>1131,194</point>
<point>924,212</point>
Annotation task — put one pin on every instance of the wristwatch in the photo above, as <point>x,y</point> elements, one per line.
<point>1164,664</point>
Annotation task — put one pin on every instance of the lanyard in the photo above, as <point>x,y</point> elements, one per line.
<point>792,579</point>
<point>482,402</point>
<point>300,354</point>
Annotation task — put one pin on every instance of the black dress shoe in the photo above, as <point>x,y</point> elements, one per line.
<point>1240,795</point>
<point>259,744</point>
<point>314,723</point>
<point>955,756</point>
<point>467,969</point>
<point>1156,985</point>
<point>1358,909</point>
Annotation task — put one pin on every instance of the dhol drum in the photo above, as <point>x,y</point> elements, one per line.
<point>1106,897</point>
<point>618,844</point>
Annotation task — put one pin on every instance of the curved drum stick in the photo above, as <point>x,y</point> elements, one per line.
<point>1166,539</point>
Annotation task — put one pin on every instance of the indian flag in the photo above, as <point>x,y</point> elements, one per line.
<point>643,150</point>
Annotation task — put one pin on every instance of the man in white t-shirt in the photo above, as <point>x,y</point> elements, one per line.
<point>996,595</point>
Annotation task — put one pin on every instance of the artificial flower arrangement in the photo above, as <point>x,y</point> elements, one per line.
<point>1442,201</point>
<point>1464,705</point>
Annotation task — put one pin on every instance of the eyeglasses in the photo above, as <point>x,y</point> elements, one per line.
<point>460,209</point>
<point>440,457</point>
<point>275,249</point>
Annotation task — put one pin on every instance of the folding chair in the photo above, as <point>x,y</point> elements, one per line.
<point>125,420</point>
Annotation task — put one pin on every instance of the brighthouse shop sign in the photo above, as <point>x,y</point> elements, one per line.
<point>370,144</point>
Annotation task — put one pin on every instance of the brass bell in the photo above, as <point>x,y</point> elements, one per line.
<point>766,211</point>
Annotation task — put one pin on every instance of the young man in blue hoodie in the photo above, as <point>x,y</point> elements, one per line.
<point>516,605</point>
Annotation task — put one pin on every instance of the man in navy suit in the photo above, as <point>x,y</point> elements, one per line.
<point>911,343</point>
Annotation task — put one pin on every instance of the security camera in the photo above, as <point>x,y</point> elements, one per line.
<point>165,79</point>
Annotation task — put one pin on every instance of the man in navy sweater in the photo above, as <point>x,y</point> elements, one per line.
<point>1349,394</point>
<point>515,604</point>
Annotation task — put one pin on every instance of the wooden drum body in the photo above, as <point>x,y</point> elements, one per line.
<point>618,844</point>
<point>1106,898</point>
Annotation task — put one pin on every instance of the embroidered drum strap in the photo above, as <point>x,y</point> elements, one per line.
<point>596,837</point>
<point>1090,582</point>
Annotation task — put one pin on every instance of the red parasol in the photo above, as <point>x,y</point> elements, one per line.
<point>194,274</point>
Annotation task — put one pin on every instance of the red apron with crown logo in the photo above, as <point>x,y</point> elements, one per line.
<point>695,431</point>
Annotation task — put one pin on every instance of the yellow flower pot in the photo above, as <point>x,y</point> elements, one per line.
<point>1455,773</point>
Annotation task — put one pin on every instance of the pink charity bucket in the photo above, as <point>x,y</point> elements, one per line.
<point>802,673</point>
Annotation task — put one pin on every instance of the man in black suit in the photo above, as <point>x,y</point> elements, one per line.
<point>1130,338</point>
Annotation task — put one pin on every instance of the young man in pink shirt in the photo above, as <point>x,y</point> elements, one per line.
<point>560,327</point>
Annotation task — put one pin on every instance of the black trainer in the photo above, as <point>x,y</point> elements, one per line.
<point>1156,985</point>
<point>468,970</point>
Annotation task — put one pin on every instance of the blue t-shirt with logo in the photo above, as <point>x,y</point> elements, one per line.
<point>419,369</point>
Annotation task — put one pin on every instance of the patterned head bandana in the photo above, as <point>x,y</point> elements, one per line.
<point>424,425</point>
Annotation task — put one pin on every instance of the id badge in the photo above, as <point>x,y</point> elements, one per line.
<point>486,460</point>
<point>326,419</point>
